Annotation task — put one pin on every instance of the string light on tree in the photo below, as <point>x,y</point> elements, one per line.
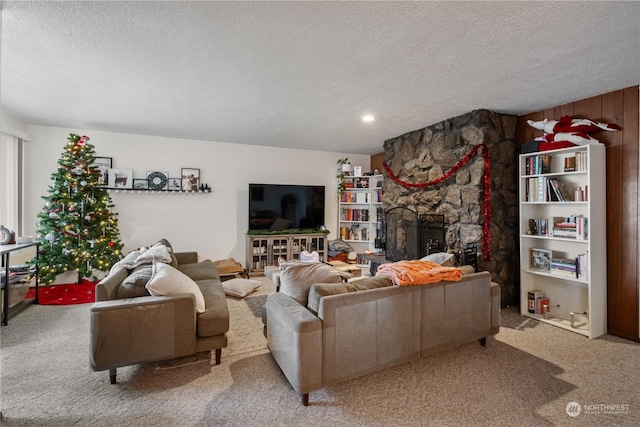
<point>74,216</point>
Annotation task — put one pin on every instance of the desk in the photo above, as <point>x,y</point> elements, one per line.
<point>5,251</point>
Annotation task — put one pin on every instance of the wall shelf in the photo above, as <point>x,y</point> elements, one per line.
<point>139,191</point>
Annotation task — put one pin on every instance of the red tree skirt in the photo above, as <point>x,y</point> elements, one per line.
<point>73,293</point>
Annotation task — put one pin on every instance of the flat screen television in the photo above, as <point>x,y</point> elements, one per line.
<point>285,207</point>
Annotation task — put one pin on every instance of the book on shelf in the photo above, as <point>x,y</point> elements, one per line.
<point>566,266</point>
<point>355,215</point>
<point>539,226</point>
<point>569,164</point>
<point>582,267</point>
<point>581,161</point>
<point>537,165</point>
<point>561,191</point>
<point>362,197</point>
<point>573,227</point>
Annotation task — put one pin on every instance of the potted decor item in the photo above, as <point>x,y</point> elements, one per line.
<point>344,168</point>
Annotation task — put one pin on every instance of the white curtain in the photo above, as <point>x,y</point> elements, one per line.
<point>10,212</point>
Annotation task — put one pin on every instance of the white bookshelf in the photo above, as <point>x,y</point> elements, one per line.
<point>358,210</point>
<point>578,304</point>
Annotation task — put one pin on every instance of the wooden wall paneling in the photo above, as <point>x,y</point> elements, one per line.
<point>612,111</point>
<point>562,110</point>
<point>590,108</point>
<point>376,162</point>
<point>524,132</point>
<point>629,283</point>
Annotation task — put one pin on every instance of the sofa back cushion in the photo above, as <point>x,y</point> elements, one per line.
<point>296,278</point>
<point>320,290</point>
<point>202,270</point>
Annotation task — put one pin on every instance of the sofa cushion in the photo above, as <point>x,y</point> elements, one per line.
<point>166,280</point>
<point>240,288</point>
<point>174,260</point>
<point>200,270</point>
<point>297,277</point>
<point>134,285</point>
<point>320,290</point>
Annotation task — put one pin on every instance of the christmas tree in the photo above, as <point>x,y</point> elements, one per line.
<point>80,230</point>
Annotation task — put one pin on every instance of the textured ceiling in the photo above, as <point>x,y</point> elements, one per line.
<point>301,74</point>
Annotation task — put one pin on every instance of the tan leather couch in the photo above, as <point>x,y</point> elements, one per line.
<point>352,329</point>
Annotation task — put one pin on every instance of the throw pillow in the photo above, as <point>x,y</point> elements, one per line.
<point>240,288</point>
<point>166,280</point>
<point>296,278</point>
<point>156,252</point>
<point>134,285</point>
<point>442,258</point>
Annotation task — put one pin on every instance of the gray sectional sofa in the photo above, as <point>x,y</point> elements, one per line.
<point>351,329</point>
<point>128,325</point>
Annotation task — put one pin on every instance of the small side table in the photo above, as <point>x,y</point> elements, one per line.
<point>5,251</point>
<point>375,260</point>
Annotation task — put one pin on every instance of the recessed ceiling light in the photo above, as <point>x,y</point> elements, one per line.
<point>368,118</point>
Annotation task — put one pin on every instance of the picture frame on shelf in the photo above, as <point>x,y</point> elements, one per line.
<point>540,259</point>
<point>174,184</point>
<point>120,179</point>
<point>190,179</point>
<point>140,184</point>
<point>103,164</point>
<point>357,171</point>
<point>158,180</point>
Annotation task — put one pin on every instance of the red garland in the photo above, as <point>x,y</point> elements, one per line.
<point>487,189</point>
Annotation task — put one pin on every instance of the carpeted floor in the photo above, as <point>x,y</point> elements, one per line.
<point>525,376</point>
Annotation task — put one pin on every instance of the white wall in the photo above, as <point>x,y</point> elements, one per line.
<point>213,224</point>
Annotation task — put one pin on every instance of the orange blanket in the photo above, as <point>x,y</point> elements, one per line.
<point>404,273</point>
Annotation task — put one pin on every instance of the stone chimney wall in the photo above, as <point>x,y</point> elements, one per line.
<point>426,154</point>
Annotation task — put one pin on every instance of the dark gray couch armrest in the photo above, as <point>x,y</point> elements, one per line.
<point>164,328</point>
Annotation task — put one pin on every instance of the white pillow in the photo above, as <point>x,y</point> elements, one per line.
<point>166,280</point>
<point>441,258</point>
<point>156,252</point>
<point>240,288</point>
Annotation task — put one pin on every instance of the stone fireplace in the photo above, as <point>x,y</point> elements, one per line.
<point>427,154</point>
